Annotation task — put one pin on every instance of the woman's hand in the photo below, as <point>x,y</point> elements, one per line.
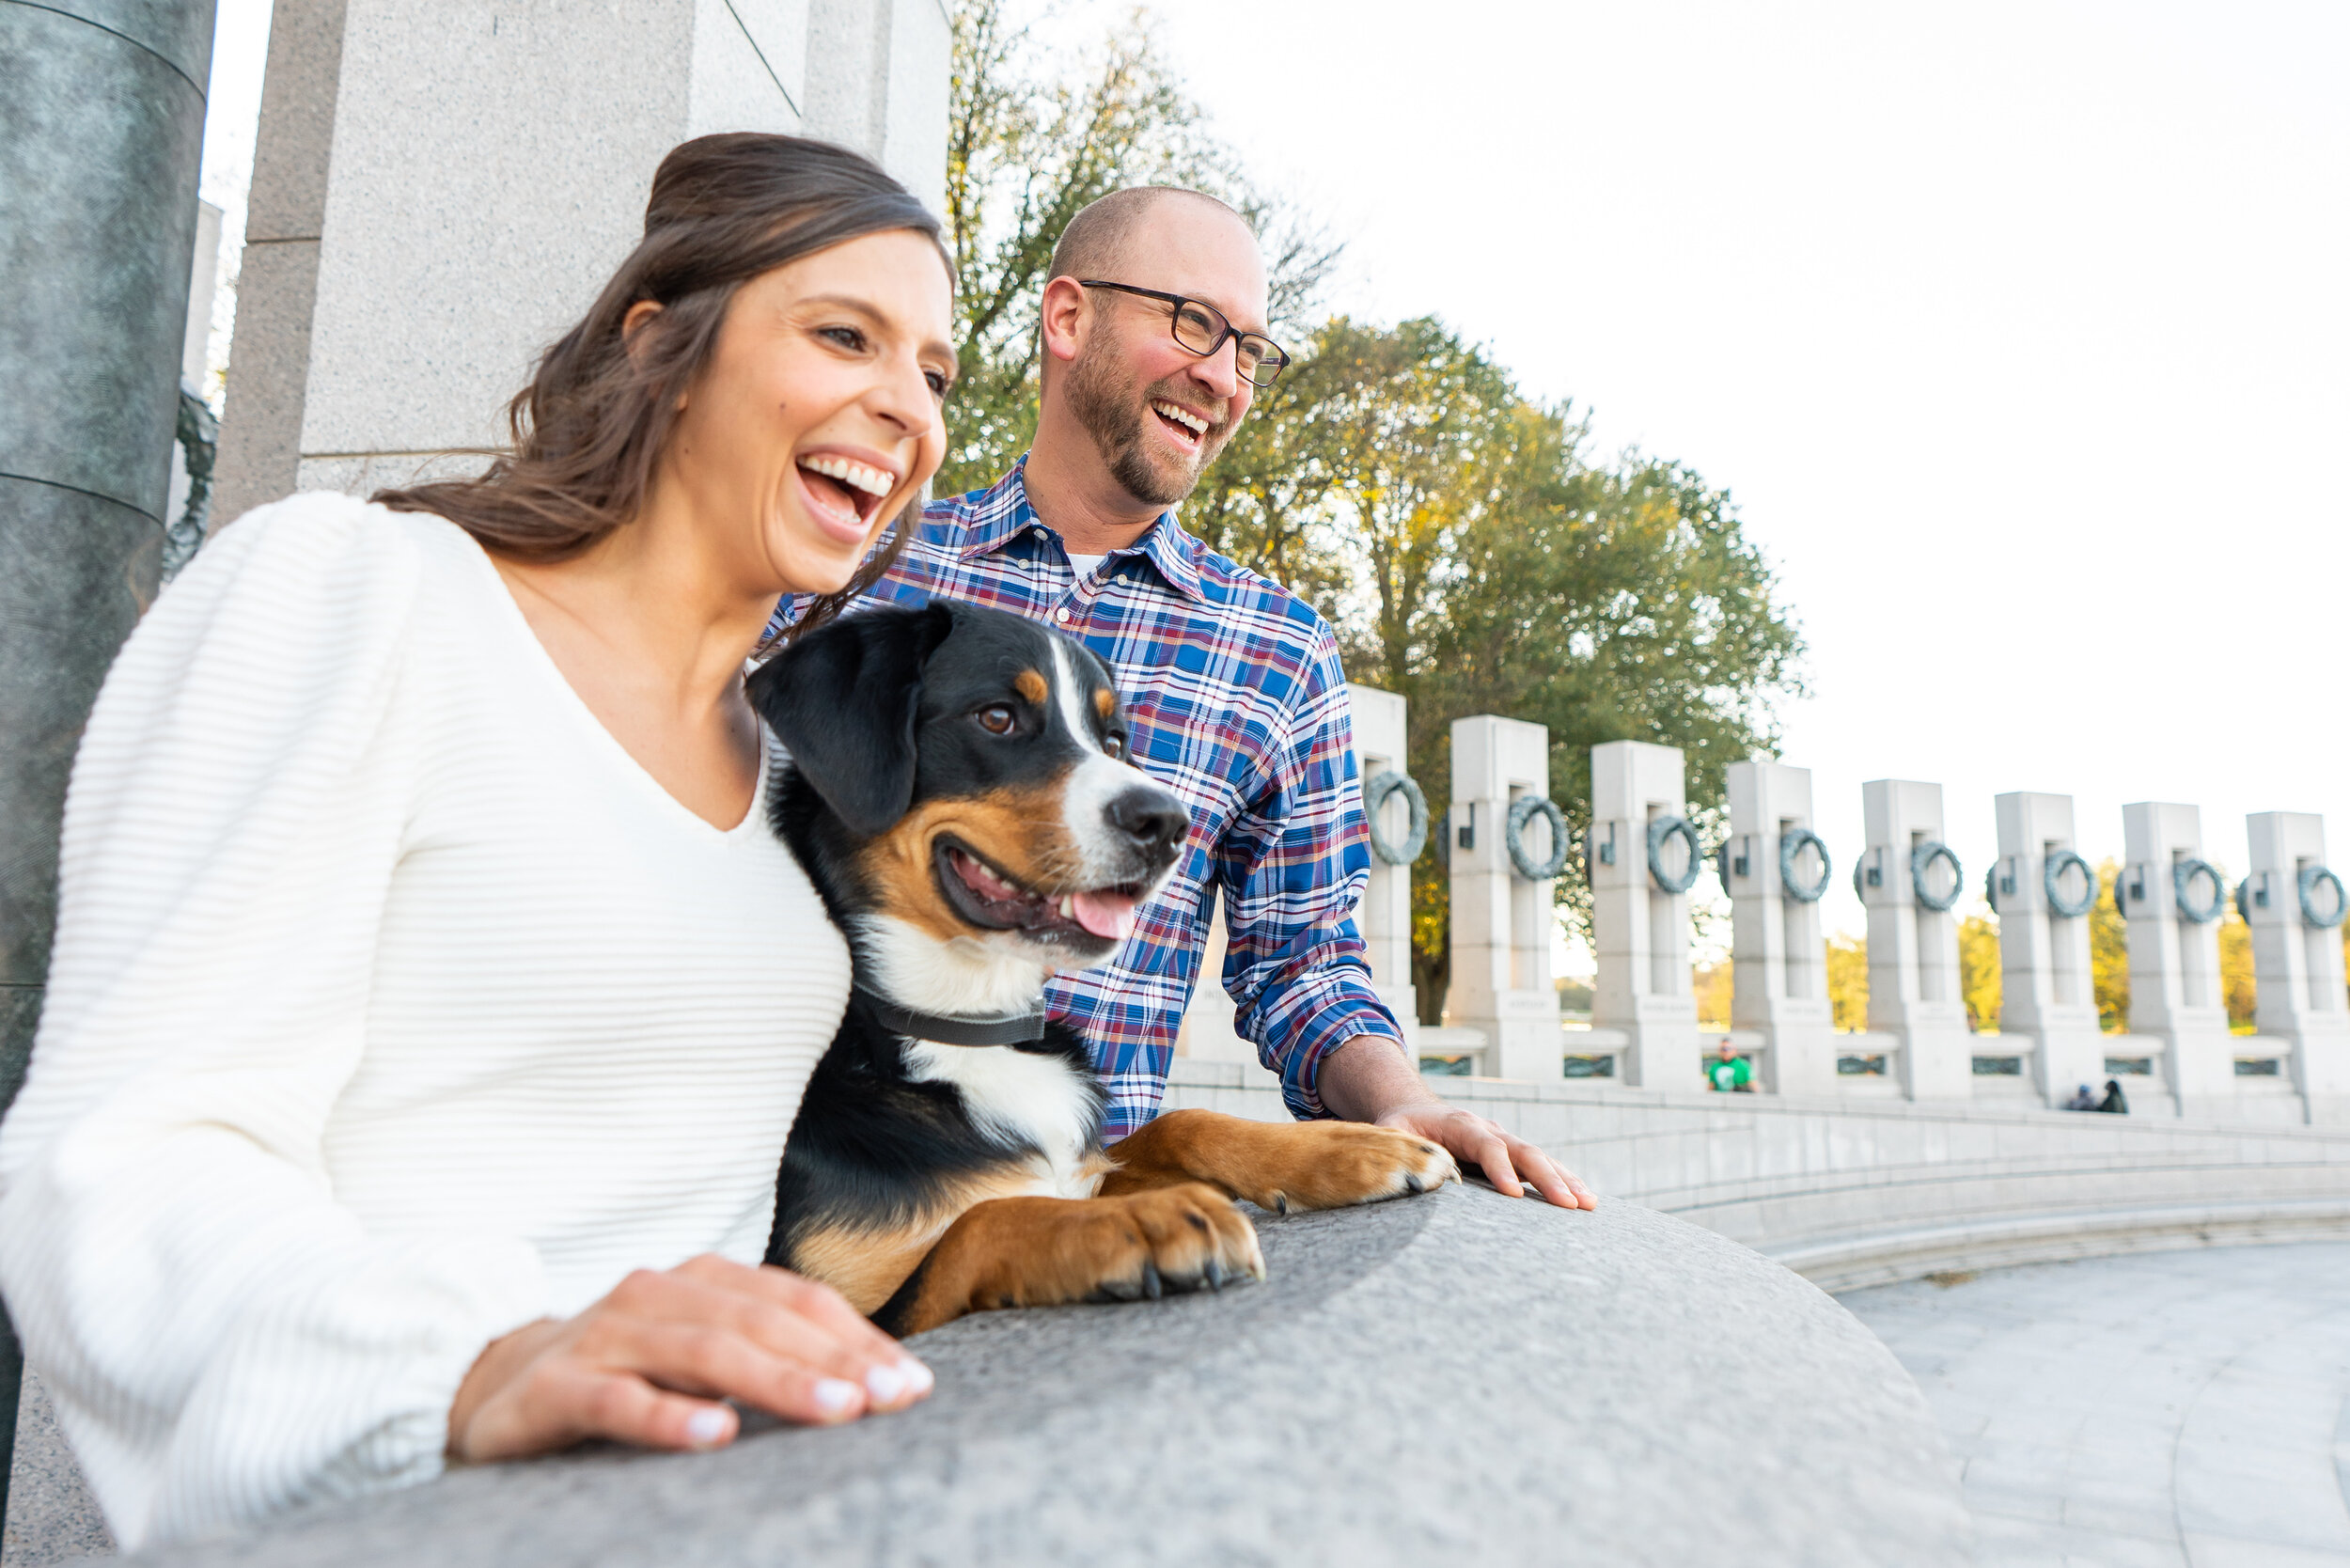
<point>649,1363</point>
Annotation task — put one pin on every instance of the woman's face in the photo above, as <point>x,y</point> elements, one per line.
<point>818,418</point>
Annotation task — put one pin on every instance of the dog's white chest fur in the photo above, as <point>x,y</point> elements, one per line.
<point>1021,1098</point>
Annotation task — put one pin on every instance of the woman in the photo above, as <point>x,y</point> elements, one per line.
<point>429,1000</point>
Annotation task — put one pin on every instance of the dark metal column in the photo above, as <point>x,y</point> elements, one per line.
<point>102,131</point>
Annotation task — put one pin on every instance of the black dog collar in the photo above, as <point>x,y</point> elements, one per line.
<point>1018,1029</point>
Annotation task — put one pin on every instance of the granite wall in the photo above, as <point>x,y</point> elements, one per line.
<point>1436,1379</point>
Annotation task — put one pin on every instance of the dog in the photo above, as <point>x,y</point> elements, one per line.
<point>960,793</point>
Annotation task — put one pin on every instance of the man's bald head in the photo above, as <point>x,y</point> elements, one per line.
<point>1126,407</point>
<point>1099,241</point>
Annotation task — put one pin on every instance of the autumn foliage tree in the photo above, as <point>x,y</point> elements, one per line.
<point>1848,980</point>
<point>1980,983</point>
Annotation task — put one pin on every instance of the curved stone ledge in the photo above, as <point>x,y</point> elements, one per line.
<point>1852,1192</point>
<point>1886,1258</point>
<point>1417,1381</point>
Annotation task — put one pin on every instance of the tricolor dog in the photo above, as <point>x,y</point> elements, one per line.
<point>960,795</point>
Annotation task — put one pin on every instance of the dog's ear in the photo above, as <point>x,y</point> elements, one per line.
<point>843,701</point>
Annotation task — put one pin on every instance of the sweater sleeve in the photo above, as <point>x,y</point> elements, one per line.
<point>222,1339</point>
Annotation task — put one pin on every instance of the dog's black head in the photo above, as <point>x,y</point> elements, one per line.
<point>971,792</point>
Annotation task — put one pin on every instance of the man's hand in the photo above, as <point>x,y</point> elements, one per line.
<point>651,1362</point>
<point>1510,1164</point>
<point>1367,1079</point>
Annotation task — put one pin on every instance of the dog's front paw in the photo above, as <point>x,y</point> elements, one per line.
<point>1046,1251</point>
<point>1169,1240</point>
<point>1330,1165</point>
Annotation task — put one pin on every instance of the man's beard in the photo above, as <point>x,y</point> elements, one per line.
<point>1112,409</point>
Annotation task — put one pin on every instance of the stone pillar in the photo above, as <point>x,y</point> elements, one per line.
<point>1501,922</point>
<point>1641,927</point>
<point>1779,954</point>
<point>2046,990</point>
<point>2297,961</point>
<point>1384,917</point>
<point>101,126</point>
<point>1209,1030</point>
<point>882,68</point>
<point>1913,949</point>
<point>2175,993</point>
<point>490,165</point>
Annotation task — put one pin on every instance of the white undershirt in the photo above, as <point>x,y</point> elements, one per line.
<point>393,1005</point>
<point>1087,565</point>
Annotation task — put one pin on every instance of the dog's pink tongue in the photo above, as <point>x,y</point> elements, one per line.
<point>1110,915</point>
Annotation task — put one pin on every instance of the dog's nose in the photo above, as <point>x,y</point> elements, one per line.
<point>1153,819</point>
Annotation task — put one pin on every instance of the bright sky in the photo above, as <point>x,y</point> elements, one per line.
<point>233,113</point>
<point>2018,331</point>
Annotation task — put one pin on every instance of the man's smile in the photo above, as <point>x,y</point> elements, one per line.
<point>1187,428</point>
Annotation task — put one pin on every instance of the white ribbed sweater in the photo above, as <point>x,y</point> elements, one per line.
<point>393,1005</point>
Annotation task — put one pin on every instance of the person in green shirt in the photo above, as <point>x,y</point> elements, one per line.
<point>1729,1073</point>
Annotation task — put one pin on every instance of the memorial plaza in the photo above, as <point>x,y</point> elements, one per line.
<point>1863,1286</point>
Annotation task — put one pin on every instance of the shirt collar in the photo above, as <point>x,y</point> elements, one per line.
<point>1005,513</point>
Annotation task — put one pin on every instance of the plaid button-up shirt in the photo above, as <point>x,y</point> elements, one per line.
<point>1238,704</point>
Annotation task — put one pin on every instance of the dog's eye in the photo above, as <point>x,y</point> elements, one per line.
<point>1115,745</point>
<point>998,720</point>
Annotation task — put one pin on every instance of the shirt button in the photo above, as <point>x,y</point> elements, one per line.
<point>1062,614</point>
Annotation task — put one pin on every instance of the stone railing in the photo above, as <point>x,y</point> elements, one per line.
<point>1503,846</point>
<point>1915,1145</point>
<point>1422,1382</point>
<point>1852,1192</point>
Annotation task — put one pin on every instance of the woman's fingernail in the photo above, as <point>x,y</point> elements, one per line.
<point>705,1427</point>
<point>884,1384</point>
<point>918,1378</point>
<point>833,1396</point>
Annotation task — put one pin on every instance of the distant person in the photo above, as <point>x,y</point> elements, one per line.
<point>2084,1100</point>
<point>2113,1103</point>
<point>1729,1073</point>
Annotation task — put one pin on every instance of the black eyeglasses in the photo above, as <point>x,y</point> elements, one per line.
<point>1202,328</point>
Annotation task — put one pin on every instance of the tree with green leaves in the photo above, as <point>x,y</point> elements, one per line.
<point>1261,503</point>
<point>1615,602</point>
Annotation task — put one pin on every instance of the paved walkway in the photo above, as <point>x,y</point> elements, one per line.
<point>2172,1408</point>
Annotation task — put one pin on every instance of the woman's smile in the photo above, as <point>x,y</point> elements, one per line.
<point>844,488</point>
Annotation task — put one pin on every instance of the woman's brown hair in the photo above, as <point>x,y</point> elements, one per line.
<point>591,427</point>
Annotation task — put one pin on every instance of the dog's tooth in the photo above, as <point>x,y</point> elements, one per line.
<point>1068,906</point>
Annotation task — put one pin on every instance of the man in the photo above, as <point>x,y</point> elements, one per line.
<point>1154,327</point>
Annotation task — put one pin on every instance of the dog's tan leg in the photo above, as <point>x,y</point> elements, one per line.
<point>1278,1166</point>
<point>1040,1251</point>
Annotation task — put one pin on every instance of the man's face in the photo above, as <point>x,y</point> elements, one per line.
<point>1133,386</point>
